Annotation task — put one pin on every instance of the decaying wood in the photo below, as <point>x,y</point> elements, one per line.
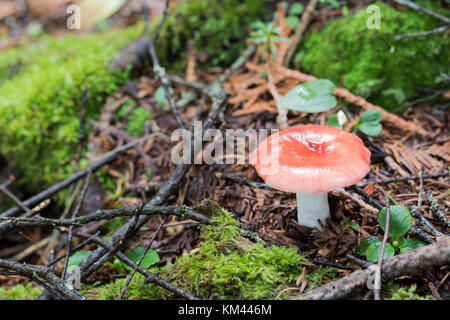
<point>408,263</point>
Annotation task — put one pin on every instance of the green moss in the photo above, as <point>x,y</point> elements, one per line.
<point>226,266</point>
<point>218,28</point>
<point>372,63</point>
<point>20,292</point>
<point>321,275</point>
<point>39,105</point>
<point>396,292</point>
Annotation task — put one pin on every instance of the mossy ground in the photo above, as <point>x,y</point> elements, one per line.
<point>20,292</point>
<point>40,100</point>
<point>226,266</point>
<point>371,62</point>
<point>41,83</point>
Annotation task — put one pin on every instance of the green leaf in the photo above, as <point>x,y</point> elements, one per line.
<point>371,129</point>
<point>411,244</point>
<point>354,226</point>
<point>373,251</point>
<point>160,96</point>
<point>399,223</point>
<point>402,242</point>
<point>150,258</point>
<point>371,116</point>
<point>365,244</point>
<point>333,121</point>
<point>296,9</point>
<point>292,21</point>
<point>77,258</point>
<point>370,123</point>
<point>314,96</point>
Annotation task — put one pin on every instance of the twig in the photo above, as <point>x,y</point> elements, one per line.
<point>16,200</point>
<point>179,211</point>
<point>421,34</point>
<point>300,30</point>
<point>436,209</point>
<point>147,247</point>
<point>57,284</point>
<point>110,156</point>
<point>408,263</point>
<point>159,71</point>
<point>150,276</point>
<point>377,283</point>
<point>163,19</point>
<point>244,182</point>
<point>74,215</point>
<point>417,7</point>
<point>417,212</point>
<point>407,178</point>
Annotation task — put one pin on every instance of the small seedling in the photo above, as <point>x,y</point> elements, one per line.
<point>399,224</point>
<point>369,123</point>
<point>352,225</point>
<point>267,34</point>
<point>296,10</point>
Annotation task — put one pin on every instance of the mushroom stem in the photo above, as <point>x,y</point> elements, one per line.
<point>311,207</point>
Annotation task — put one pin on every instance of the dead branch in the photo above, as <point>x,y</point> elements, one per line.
<point>31,271</point>
<point>408,263</point>
<point>110,156</point>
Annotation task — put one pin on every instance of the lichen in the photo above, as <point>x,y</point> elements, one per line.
<point>371,62</point>
<point>20,292</point>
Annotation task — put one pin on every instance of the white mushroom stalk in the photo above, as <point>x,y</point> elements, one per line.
<point>312,207</point>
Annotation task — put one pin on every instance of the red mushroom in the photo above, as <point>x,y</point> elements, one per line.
<point>310,161</point>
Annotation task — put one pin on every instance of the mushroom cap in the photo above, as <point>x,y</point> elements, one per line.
<point>312,159</point>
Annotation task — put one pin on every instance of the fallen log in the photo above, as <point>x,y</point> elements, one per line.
<point>408,263</point>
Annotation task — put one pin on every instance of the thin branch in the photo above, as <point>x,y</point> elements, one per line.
<point>57,284</point>
<point>163,19</point>
<point>107,158</point>
<point>417,7</point>
<point>407,178</point>
<point>421,34</point>
<point>147,247</point>
<point>408,263</point>
<point>160,71</point>
<point>377,283</point>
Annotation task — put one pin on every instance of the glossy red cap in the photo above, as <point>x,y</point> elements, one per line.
<point>311,159</point>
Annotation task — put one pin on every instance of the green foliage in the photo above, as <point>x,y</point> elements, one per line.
<point>400,221</point>
<point>135,120</point>
<point>371,62</point>
<point>20,292</point>
<point>396,292</point>
<point>370,123</point>
<point>137,290</point>
<point>218,28</point>
<point>333,121</point>
<point>320,275</point>
<point>314,96</point>
<point>40,103</point>
<point>268,35</point>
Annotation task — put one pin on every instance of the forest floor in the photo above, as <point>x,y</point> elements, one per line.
<point>409,162</point>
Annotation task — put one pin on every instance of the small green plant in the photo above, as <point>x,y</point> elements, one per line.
<point>295,11</point>
<point>267,34</point>
<point>77,258</point>
<point>369,123</point>
<point>397,292</point>
<point>352,225</point>
<point>400,222</point>
<point>150,258</point>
